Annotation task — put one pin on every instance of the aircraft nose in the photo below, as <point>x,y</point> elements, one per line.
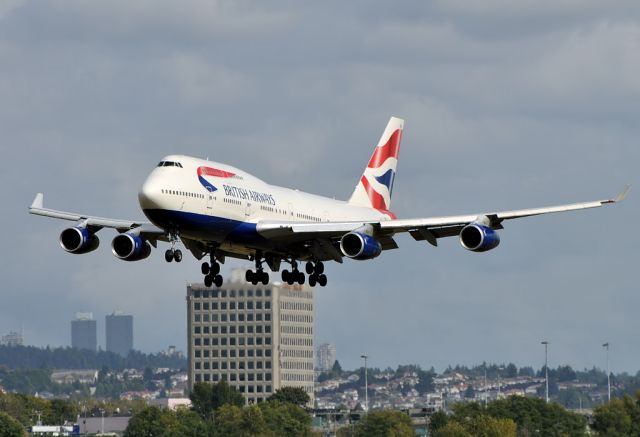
<point>148,194</point>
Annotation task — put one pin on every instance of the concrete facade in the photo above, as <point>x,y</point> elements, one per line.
<point>326,357</point>
<point>119,333</point>
<point>257,338</point>
<point>84,332</point>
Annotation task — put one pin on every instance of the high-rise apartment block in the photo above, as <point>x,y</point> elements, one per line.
<point>12,339</point>
<point>257,338</point>
<point>83,332</point>
<point>326,357</point>
<point>119,332</point>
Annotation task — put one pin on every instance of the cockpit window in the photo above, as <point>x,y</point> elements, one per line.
<point>169,164</point>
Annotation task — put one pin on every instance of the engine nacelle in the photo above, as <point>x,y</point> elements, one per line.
<point>360,246</point>
<point>78,240</point>
<point>479,238</point>
<point>128,247</point>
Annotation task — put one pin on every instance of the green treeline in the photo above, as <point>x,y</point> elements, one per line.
<point>218,410</point>
<point>30,357</point>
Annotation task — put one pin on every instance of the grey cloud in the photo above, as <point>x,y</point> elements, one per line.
<point>507,105</point>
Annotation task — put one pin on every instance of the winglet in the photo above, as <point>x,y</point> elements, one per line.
<point>623,195</point>
<point>38,202</point>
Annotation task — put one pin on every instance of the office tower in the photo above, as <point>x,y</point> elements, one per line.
<point>257,338</point>
<point>119,331</point>
<point>83,332</point>
<point>326,357</point>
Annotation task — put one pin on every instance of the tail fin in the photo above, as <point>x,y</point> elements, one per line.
<point>376,184</point>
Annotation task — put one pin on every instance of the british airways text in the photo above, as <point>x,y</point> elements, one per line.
<point>242,193</point>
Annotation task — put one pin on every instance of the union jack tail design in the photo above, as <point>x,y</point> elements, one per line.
<point>376,184</point>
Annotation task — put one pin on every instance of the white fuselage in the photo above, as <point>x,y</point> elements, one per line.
<point>214,202</point>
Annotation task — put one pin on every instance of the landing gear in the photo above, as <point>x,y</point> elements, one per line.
<point>173,253</point>
<point>293,276</point>
<point>211,272</point>
<point>259,275</point>
<point>316,274</point>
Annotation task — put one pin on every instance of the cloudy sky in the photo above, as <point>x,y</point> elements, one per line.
<point>507,105</point>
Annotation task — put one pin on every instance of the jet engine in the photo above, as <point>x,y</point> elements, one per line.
<point>479,238</point>
<point>78,240</point>
<point>360,246</point>
<point>129,247</point>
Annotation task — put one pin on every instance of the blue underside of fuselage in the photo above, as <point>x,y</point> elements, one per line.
<point>207,227</point>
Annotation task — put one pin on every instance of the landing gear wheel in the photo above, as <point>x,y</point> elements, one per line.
<point>300,278</point>
<point>168,255</point>
<point>319,269</point>
<point>177,255</point>
<point>218,280</point>
<point>285,276</point>
<point>208,280</point>
<point>205,268</point>
<point>264,278</point>
<point>322,280</point>
<point>309,267</point>
<point>215,268</point>
<point>248,276</point>
<point>313,280</point>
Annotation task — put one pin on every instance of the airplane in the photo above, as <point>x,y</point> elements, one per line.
<point>220,211</point>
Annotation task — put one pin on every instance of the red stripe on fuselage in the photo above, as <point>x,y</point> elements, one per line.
<point>390,150</point>
<point>209,171</point>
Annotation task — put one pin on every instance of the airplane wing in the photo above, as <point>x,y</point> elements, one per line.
<point>144,228</point>
<point>429,229</point>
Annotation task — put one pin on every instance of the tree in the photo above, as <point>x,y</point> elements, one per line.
<point>486,426</point>
<point>202,399</point>
<point>385,423</point>
<point>437,421</point>
<point>153,422</point>
<point>534,416</point>
<point>620,417</point>
<point>10,427</point>
<point>511,371</point>
<point>452,429</point>
<point>206,398</point>
<point>292,395</point>
<point>337,368</point>
<point>286,420</point>
<point>425,381</point>
<point>232,420</point>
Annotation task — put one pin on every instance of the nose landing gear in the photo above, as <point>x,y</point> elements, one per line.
<point>173,253</point>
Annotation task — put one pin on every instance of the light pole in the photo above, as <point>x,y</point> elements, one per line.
<point>366,385</point>
<point>485,385</point>
<point>546,370</point>
<point>606,346</point>
<point>499,369</point>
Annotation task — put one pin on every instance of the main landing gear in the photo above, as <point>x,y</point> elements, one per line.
<point>259,275</point>
<point>211,272</point>
<point>315,272</point>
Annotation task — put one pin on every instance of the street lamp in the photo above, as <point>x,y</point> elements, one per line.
<point>546,370</point>
<point>485,384</point>
<point>366,386</point>
<point>606,346</point>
